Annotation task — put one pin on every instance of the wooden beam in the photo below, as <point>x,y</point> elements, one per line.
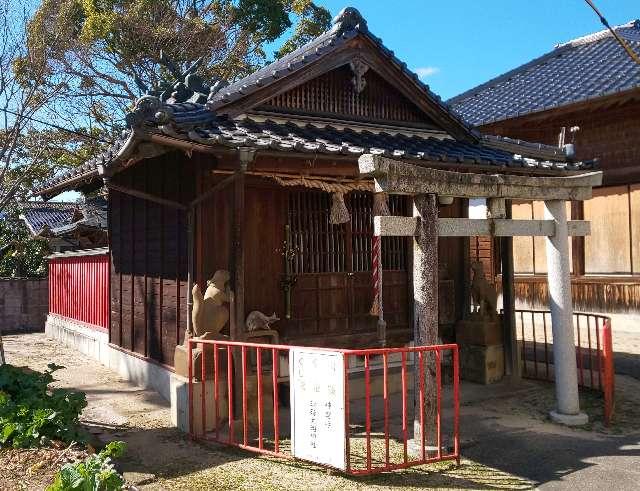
<point>398,177</point>
<point>146,196</point>
<point>579,228</point>
<point>391,226</point>
<point>209,193</point>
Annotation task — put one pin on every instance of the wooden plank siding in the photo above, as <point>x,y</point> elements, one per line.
<point>149,258</point>
<point>330,304</point>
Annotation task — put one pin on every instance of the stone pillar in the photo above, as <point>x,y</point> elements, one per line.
<point>564,351</point>
<point>425,296</point>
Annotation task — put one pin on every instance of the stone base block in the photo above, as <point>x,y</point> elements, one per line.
<point>180,404</point>
<point>480,331</point>
<point>181,361</point>
<point>482,364</point>
<point>579,419</point>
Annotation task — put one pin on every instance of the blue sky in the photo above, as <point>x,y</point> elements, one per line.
<point>458,44</point>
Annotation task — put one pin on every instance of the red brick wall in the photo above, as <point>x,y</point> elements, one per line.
<point>611,134</point>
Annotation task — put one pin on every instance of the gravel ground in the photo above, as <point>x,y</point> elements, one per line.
<point>34,468</point>
<point>497,427</point>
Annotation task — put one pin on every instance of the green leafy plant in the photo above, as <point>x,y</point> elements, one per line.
<point>32,413</point>
<point>95,473</point>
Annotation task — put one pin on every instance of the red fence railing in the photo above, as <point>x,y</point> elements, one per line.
<point>248,395</point>
<point>594,351</point>
<point>79,288</point>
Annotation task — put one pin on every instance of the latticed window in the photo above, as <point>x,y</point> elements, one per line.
<point>320,247</point>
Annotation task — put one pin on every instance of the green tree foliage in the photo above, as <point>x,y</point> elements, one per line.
<point>21,256</point>
<point>106,52</point>
<point>32,413</point>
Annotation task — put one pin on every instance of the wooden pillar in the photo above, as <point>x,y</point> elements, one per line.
<point>237,328</point>
<point>425,295</point>
<point>511,363</point>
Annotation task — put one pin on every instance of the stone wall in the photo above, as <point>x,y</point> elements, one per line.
<point>24,304</point>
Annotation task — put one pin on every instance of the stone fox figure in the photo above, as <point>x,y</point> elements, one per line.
<point>482,292</point>
<point>210,314</point>
<point>257,321</point>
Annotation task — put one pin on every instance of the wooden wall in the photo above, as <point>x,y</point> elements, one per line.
<point>609,131</point>
<point>149,258</point>
<point>330,308</point>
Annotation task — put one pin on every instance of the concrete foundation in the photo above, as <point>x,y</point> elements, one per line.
<point>94,342</point>
<point>578,419</point>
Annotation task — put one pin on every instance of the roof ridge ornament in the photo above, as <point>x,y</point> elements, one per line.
<point>348,19</point>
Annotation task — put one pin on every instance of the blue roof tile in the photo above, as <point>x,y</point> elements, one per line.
<point>588,67</point>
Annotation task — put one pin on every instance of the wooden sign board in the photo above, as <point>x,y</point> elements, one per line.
<point>317,406</point>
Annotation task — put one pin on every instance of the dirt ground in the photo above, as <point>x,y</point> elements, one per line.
<point>160,457</point>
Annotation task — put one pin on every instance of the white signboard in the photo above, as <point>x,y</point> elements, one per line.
<point>317,406</point>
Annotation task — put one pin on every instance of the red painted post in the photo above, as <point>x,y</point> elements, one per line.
<point>259,374</point>
<point>216,391</point>
<point>438,403</point>
<point>276,417</point>
<point>404,404</point>
<point>203,400</point>
<point>421,384</point>
<point>599,353</point>
<point>347,443</point>
<point>456,402</point>
<point>385,392</point>
<point>230,392</point>
<point>579,349</point>
<point>367,398</point>
<point>244,394</point>
<point>609,375</point>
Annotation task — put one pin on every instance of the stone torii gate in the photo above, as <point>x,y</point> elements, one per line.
<point>425,185</point>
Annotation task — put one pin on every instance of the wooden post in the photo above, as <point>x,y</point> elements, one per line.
<point>511,363</point>
<point>237,330</point>
<point>425,294</point>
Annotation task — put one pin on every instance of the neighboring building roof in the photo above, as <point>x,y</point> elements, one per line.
<point>589,67</point>
<point>59,218</point>
<point>98,251</point>
<point>198,114</point>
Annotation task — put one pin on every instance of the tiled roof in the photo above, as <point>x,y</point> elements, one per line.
<point>348,24</point>
<point>304,137</point>
<point>58,218</point>
<point>585,68</point>
<point>190,116</point>
<point>193,122</point>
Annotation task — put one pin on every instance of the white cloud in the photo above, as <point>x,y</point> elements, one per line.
<point>427,71</point>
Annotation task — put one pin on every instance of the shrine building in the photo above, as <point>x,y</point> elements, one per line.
<point>276,177</point>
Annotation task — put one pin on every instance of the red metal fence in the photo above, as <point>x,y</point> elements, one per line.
<point>594,351</point>
<point>239,396</point>
<point>79,288</point>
